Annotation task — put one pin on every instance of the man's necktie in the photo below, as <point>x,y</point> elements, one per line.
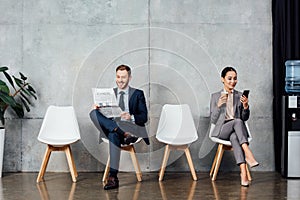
<point>121,100</point>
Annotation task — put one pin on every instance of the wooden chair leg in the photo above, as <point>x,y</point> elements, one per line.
<point>164,162</point>
<point>106,171</point>
<point>190,162</point>
<point>136,164</point>
<point>218,162</point>
<point>44,164</point>
<point>214,163</point>
<point>71,162</point>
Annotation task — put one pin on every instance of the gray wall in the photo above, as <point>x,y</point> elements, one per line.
<point>176,49</point>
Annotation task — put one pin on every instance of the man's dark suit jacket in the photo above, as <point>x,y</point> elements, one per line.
<point>138,108</point>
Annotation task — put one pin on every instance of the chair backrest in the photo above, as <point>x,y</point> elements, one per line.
<point>60,126</point>
<point>226,142</point>
<point>176,125</point>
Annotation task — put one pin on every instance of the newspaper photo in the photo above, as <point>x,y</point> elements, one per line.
<point>105,98</point>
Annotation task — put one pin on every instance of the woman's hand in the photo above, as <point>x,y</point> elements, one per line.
<point>244,101</point>
<point>222,99</point>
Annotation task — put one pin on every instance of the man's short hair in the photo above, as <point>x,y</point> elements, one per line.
<point>124,67</point>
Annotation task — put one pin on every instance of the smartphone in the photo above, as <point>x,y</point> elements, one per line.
<point>246,93</point>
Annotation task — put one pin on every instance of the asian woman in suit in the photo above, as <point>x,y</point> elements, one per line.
<point>229,109</point>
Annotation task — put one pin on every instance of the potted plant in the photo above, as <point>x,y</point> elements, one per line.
<point>18,98</point>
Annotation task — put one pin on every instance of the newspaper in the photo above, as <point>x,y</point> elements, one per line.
<point>106,99</point>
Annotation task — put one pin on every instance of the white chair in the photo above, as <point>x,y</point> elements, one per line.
<point>131,150</point>
<point>59,130</point>
<point>177,130</point>
<point>222,146</point>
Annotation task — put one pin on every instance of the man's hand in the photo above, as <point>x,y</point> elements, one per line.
<point>125,115</point>
<point>95,106</point>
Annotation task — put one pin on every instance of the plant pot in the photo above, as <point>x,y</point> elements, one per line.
<point>2,137</point>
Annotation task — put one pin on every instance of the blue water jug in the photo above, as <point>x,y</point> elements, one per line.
<point>292,76</point>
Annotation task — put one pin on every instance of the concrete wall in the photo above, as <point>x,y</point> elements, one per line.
<point>176,50</point>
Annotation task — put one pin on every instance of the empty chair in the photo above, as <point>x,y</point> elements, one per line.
<point>177,130</point>
<point>222,146</point>
<point>59,130</point>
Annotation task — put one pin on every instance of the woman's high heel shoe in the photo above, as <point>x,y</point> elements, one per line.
<point>252,164</point>
<point>244,183</point>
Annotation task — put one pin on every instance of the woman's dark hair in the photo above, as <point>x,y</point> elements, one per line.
<point>225,70</point>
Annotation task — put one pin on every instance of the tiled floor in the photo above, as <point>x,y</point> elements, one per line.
<point>58,186</point>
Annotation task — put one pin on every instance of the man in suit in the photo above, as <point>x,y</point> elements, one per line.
<point>120,130</point>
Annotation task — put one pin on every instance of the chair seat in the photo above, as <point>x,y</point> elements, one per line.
<point>176,141</point>
<point>225,142</point>
<point>58,142</point>
<point>122,145</point>
<point>217,140</point>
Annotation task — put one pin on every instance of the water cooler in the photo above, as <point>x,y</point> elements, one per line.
<point>290,151</point>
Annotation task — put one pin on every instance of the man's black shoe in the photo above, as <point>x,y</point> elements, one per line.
<point>130,139</point>
<point>112,183</point>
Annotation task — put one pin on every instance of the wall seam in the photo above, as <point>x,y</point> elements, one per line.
<point>149,75</point>
<point>22,64</point>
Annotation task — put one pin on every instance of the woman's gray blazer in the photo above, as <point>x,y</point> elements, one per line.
<point>217,115</point>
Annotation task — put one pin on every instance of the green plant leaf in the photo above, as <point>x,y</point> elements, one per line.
<point>25,91</point>
<point>7,99</point>
<point>3,87</point>
<point>33,95</point>
<point>2,116</point>
<point>8,77</point>
<point>24,78</point>
<point>19,82</point>
<point>19,100</point>
<point>25,104</point>
<point>25,97</point>
<point>4,68</point>
<point>29,92</point>
<point>18,108</point>
<point>2,105</point>
<point>31,89</point>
